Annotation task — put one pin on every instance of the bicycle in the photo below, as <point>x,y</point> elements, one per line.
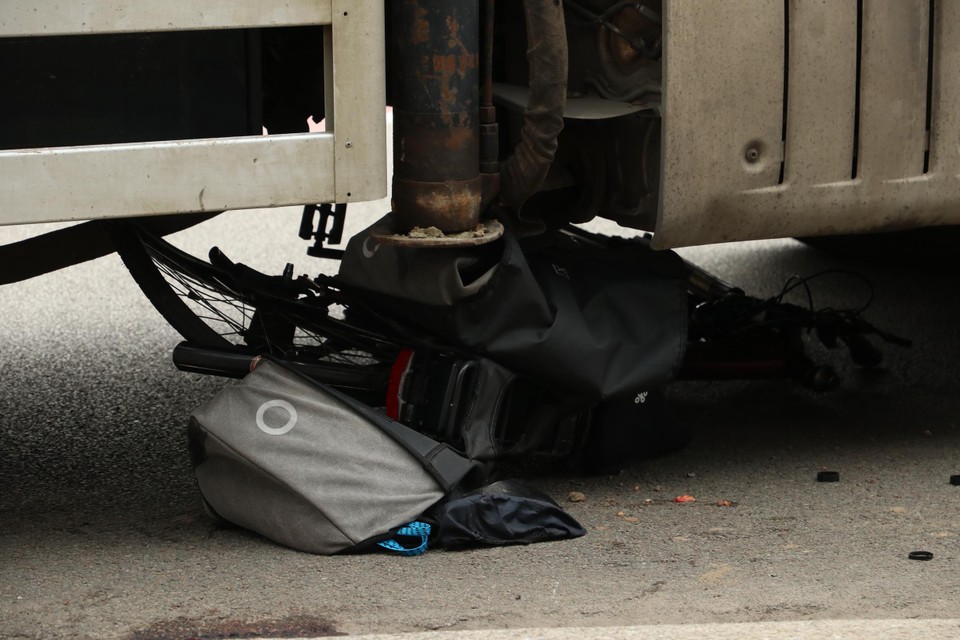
<point>230,314</point>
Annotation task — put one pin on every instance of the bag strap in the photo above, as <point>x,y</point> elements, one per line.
<point>416,530</point>
<point>442,462</point>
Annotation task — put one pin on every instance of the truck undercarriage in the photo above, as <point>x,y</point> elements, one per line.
<point>699,123</point>
<point>662,116</point>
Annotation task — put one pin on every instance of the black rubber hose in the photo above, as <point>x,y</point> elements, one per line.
<point>523,173</point>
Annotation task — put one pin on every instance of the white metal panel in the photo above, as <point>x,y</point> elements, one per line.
<point>359,90</point>
<point>347,164</point>
<point>893,88</point>
<point>822,82</point>
<point>945,125</point>
<point>723,95</point>
<point>170,177</point>
<point>59,17</point>
<point>855,206</point>
<point>891,193</point>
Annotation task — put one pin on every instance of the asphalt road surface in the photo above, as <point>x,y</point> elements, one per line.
<point>102,536</point>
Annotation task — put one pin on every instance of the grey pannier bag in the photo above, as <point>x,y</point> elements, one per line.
<point>306,466</point>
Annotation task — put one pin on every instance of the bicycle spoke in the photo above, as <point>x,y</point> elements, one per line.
<point>318,332</point>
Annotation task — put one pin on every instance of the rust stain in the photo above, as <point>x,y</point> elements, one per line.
<point>421,27</point>
<point>444,65</point>
<point>468,62</point>
<point>451,206</point>
<point>450,64</point>
<point>452,199</point>
<point>446,69</point>
<point>459,137</point>
<point>450,148</point>
<point>465,59</point>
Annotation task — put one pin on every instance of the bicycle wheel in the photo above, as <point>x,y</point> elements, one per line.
<point>228,307</point>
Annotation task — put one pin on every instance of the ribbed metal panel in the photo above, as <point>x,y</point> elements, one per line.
<point>821,100</point>
<point>893,89</point>
<point>723,98</point>
<point>724,66</point>
<point>945,125</point>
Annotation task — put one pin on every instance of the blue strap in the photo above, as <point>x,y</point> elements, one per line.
<point>413,530</point>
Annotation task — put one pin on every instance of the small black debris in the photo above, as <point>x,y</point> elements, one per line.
<point>955,481</point>
<point>920,555</point>
<point>828,476</point>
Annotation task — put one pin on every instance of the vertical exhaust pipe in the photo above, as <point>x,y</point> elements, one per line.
<point>436,114</point>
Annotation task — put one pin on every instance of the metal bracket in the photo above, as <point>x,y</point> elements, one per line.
<point>329,229</point>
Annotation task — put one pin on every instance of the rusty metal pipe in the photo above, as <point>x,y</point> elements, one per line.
<point>436,118</point>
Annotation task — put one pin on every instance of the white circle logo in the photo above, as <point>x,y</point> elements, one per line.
<point>280,404</point>
<point>370,247</point>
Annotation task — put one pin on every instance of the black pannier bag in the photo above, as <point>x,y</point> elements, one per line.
<point>306,466</point>
<point>543,336</point>
<point>589,315</point>
<point>481,408</point>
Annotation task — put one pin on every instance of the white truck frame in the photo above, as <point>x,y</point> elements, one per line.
<point>345,163</point>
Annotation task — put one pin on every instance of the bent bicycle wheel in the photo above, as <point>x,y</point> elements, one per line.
<point>228,309</point>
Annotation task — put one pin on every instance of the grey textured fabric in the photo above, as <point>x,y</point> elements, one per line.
<point>301,465</point>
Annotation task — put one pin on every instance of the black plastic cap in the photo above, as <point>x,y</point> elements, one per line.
<point>828,476</point>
